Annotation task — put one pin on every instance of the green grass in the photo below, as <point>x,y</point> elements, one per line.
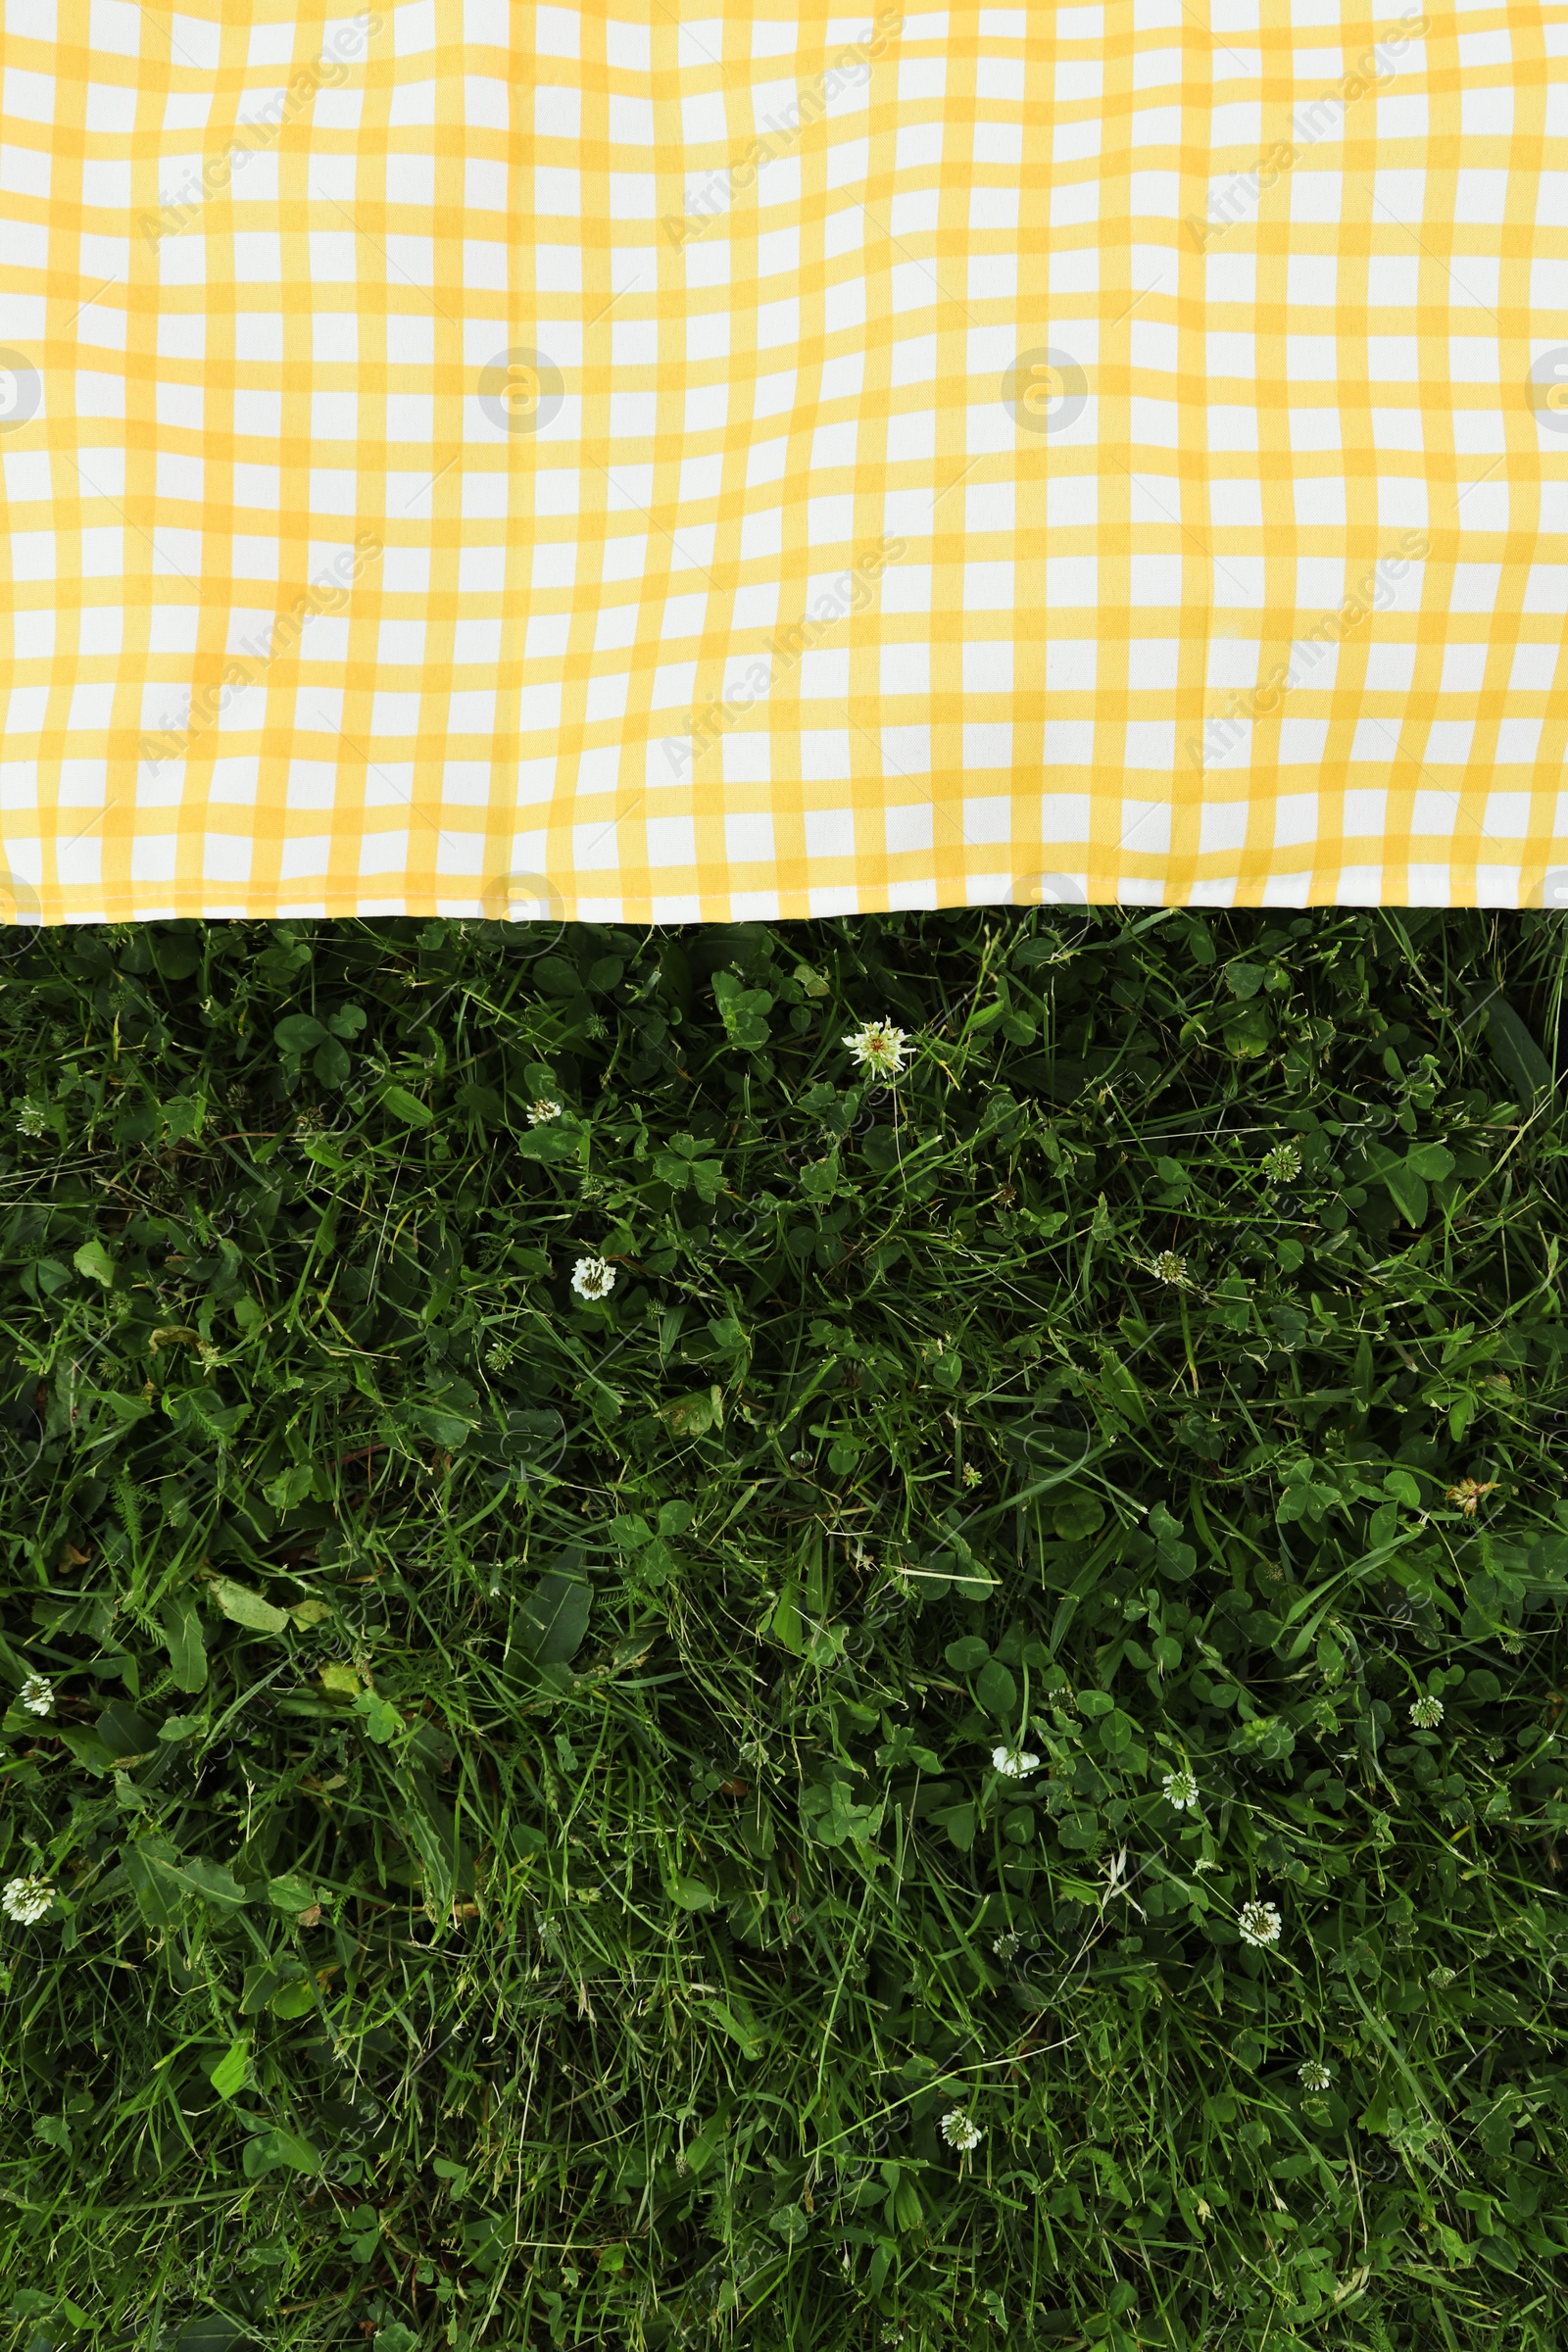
<point>529,1866</point>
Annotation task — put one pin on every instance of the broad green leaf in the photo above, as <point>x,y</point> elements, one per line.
<point>290,1893</point>
<point>1076,1514</point>
<point>162,1880</point>
<point>1430,1161</point>
<point>700,2151</point>
<point>338,1679</point>
<point>557,1138</point>
<point>692,1894</point>
<point>159,1894</point>
<point>406,1107</point>
<point>1408,1192</point>
<point>736,2017</point>
<point>124,1731</point>
<point>125,1409</point>
<point>380,1718</point>
<point>446,1430</point>
<point>298,1032</point>
<point>198,1414</point>
<point>227,2074</point>
<point>1513,1048</point>
<point>786,1622</point>
<point>482,1103</point>
<point>434,1842</point>
<point>94,1259</point>
<point>212,1880</point>
<point>271,2150</point>
<point>967,1654</point>
<point>88,1749</point>
<point>248,1609</point>
<point>1124,1394</point>
<point>695,1415</point>
<point>958,1821</point>
<point>181,1622</point>
<point>554,1616</point>
<point>996,1690</point>
<point>291,1486</point>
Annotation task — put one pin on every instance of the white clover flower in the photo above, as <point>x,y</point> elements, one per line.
<point>30,1120</point>
<point>1428,1713</point>
<point>878,1045</point>
<point>593,1278</point>
<point>1259,1924</point>
<point>960,2130</point>
<point>1313,2075</point>
<point>1441,1979</point>
<point>38,1695</point>
<point>1005,1946</point>
<point>1282,1163</point>
<point>1181,1789</point>
<point>26,1899</point>
<point>541,1109</point>
<point>1170,1266</point>
<point>1013,1761</point>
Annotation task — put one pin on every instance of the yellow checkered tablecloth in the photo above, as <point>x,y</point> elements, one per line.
<point>477,457</point>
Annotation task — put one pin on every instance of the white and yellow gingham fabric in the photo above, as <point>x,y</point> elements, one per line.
<point>479,457</point>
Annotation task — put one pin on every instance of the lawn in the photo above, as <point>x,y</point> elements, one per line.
<point>966,1756</point>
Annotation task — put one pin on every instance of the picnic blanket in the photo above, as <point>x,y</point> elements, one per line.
<point>660,462</point>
